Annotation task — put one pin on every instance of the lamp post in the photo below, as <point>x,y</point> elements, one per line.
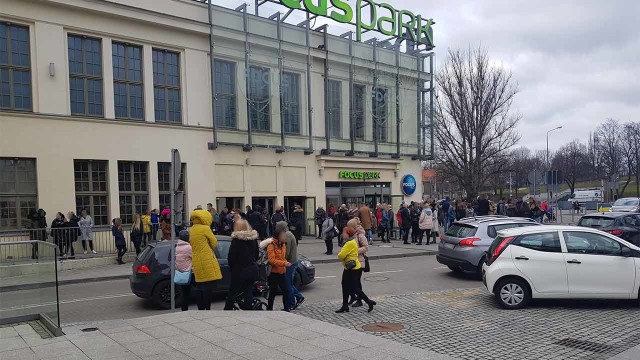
<point>548,164</point>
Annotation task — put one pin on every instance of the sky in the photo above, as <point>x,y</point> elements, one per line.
<point>576,62</point>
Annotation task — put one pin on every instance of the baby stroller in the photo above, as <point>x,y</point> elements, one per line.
<point>549,216</point>
<point>261,286</point>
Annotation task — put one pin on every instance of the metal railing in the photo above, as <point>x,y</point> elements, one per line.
<point>39,299</point>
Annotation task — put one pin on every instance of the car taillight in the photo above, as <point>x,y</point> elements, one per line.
<point>616,232</point>
<point>468,242</point>
<point>141,269</point>
<point>500,248</point>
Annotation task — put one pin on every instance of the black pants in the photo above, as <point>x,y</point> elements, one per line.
<point>68,247</point>
<point>278,281</point>
<point>422,232</point>
<point>121,251</point>
<point>186,292</point>
<point>329,242</point>
<point>319,230</point>
<point>405,235</point>
<point>238,287</point>
<point>136,245</point>
<point>415,232</point>
<point>146,237</point>
<point>34,250</point>
<point>154,231</point>
<point>351,285</point>
<point>84,245</point>
<point>205,294</point>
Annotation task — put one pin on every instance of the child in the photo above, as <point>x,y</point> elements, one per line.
<point>121,243</point>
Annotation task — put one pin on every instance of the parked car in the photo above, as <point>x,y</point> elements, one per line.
<point>151,272</point>
<point>562,262</point>
<point>630,204</point>
<point>621,224</point>
<point>463,246</point>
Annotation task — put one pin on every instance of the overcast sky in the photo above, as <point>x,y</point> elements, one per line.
<point>576,62</point>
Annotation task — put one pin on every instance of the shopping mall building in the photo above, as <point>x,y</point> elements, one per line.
<point>94,94</point>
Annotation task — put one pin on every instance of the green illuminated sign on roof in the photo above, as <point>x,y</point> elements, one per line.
<point>358,175</point>
<point>370,15</point>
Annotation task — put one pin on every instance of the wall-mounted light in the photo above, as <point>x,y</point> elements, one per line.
<point>280,163</point>
<point>395,173</point>
<point>52,69</point>
<point>321,172</point>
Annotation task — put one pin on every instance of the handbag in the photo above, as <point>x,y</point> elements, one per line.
<point>366,264</point>
<point>350,265</point>
<point>182,277</point>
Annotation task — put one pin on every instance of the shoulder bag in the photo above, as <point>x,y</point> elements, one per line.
<point>365,267</point>
<point>182,277</point>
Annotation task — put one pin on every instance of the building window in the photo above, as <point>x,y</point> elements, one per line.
<point>164,173</point>
<point>15,67</point>
<point>127,81</point>
<point>85,75</point>
<point>290,98</point>
<point>334,102</point>
<point>259,98</point>
<point>166,86</point>
<point>91,179</point>
<point>379,103</point>
<point>225,96</point>
<point>358,111</point>
<point>18,192</point>
<point>134,191</point>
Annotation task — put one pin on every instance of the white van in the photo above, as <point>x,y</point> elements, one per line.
<point>582,196</point>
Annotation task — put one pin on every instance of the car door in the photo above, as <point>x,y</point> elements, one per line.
<point>539,258</point>
<point>596,267</point>
<point>631,228</point>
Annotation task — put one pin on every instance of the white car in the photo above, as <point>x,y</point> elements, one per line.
<point>560,262</point>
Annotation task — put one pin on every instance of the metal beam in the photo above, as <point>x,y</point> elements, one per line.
<point>432,105</point>
<point>309,108</point>
<point>327,124</point>
<point>398,127</point>
<point>280,74</point>
<point>352,126</point>
<point>214,145</point>
<point>375,97</point>
<point>245,26</point>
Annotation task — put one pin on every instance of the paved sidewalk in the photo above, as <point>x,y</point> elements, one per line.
<point>230,335</point>
<point>311,248</point>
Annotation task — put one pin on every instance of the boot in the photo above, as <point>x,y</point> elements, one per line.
<point>357,304</point>
<point>343,309</point>
<point>371,303</point>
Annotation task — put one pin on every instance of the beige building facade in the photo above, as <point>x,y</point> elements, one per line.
<point>95,94</point>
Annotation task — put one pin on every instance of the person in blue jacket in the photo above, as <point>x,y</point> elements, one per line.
<point>155,224</point>
<point>121,242</point>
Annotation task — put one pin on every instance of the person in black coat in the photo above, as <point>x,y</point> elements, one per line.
<point>137,233</point>
<point>258,222</point>
<point>243,263</point>
<point>39,229</point>
<point>342,218</point>
<point>297,222</point>
<point>277,217</point>
<point>58,231</point>
<point>73,232</point>
<point>118,237</point>
<point>405,215</point>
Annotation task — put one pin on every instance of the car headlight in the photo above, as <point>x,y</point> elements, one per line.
<point>306,263</point>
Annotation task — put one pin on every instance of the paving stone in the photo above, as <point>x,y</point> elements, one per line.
<point>24,329</point>
<point>12,343</point>
<point>148,348</point>
<point>271,324</point>
<point>299,334</point>
<point>19,354</point>
<point>303,350</point>
<point>331,343</point>
<point>8,332</point>
<point>216,336</point>
<point>171,355</point>
<point>269,354</point>
<point>245,329</point>
<point>127,337</point>
<point>35,340</point>
<point>271,339</point>
<point>222,321</point>
<point>55,349</point>
<point>194,326</point>
<point>184,342</point>
<point>162,331</point>
<point>208,352</point>
<point>241,346</point>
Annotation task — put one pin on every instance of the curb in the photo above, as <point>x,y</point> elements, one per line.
<point>122,277</point>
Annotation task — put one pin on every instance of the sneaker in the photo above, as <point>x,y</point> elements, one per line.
<point>93,252</point>
<point>299,302</point>
<point>85,252</point>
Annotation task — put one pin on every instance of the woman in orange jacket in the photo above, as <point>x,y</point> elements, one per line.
<point>276,251</point>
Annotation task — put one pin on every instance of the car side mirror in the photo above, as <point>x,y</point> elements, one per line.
<point>626,252</point>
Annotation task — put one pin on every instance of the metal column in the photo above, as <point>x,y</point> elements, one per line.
<point>352,123</point>
<point>327,124</point>
<point>375,99</point>
<point>309,107</point>
<point>277,16</point>
<point>245,26</point>
<point>213,145</point>
<point>419,96</point>
<point>431,104</point>
<point>397,155</point>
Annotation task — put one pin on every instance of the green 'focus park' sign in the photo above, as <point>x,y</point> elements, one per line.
<point>382,17</point>
<point>358,175</point>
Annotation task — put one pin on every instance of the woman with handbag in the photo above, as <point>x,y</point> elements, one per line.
<point>243,263</point>
<point>137,234</point>
<point>363,247</point>
<point>353,267</point>
<point>328,233</point>
<point>184,263</point>
<point>206,269</point>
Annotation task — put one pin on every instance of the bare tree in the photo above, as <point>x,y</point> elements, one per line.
<point>573,160</point>
<point>474,124</point>
<point>629,143</point>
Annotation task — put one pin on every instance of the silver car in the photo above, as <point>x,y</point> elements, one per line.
<point>463,245</point>
<point>629,204</point>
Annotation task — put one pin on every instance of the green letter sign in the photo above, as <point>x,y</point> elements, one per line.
<point>399,22</point>
<point>359,175</point>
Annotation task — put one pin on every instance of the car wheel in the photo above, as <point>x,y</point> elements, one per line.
<point>297,279</point>
<point>512,293</point>
<point>479,268</point>
<point>455,269</point>
<point>161,295</point>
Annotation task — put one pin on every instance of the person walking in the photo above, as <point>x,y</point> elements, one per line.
<point>363,248</point>
<point>58,232</point>
<point>73,232</point>
<point>405,222</point>
<point>258,222</point>
<point>436,218</point>
<point>425,223</point>
<point>155,224</point>
<point>276,254</point>
<point>165,226</point>
<point>364,213</point>
<point>399,220</point>
<point>415,220</point>
<point>320,217</point>
<point>392,220</point>
<point>297,222</point>
<point>341,221</point>
<point>383,225</point>
<point>184,263</point>
<point>137,235</point>
<point>243,263</point>
<point>146,228</point>
<point>120,241</point>
<point>86,230</point>
<point>206,269</point>
<point>350,258</point>
<point>328,234</point>
<point>277,217</point>
<point>295,298</point>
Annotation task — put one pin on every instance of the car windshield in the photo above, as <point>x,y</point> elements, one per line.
<point>223,249</point>
<point>626,202</point>
<point>596,221</point>
<point>461,230</point>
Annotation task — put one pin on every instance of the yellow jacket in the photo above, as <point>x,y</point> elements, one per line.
<point>350,252</point>
<point>203,242</point>
<point>146,223</point>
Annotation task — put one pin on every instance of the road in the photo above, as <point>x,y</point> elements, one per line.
<point>113,299</point>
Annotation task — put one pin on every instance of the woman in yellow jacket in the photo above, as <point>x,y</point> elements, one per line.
<point>350,275</point>
<point>206,269</point>
<point>146,228</point>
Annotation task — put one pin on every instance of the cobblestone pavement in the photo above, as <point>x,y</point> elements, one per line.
<point>467,324</point>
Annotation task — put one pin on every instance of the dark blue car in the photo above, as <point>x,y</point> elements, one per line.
<point>151,272</point>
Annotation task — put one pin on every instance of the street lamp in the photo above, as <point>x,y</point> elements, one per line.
<point>559,127</point>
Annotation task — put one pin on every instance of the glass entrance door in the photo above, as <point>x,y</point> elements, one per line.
<point>309,212</point>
